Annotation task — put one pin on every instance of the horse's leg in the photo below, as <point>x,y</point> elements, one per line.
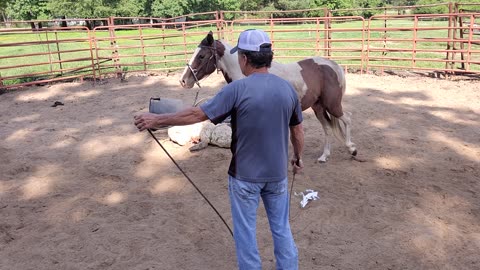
<point>345,118</point>
<point>337,116</point>
<point>199,146</point>
<point>205,135</point>
<point>342,133</point>
<point>320,114</point>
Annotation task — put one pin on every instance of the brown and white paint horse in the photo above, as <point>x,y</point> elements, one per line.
<point>319,82</point>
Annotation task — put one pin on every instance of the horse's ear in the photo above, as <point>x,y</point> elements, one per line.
<point>210,38</point>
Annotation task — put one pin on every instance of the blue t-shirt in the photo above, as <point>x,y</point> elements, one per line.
<point>262,107</point>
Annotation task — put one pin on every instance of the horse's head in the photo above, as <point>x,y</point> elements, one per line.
<point>202,63</point>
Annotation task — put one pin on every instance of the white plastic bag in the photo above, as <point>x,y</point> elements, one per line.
<point>307,195</point>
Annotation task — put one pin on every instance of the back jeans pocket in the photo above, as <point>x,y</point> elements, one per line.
<point>244,189</point>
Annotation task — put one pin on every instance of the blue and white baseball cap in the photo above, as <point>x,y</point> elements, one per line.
<point>252,40</point>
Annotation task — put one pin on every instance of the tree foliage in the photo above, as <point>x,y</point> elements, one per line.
<point>431,9</point>
<point>26,9</point>
<point>42,9</point>
<point>169,8</point>
<point>438,6</point>
<point>3,8</point>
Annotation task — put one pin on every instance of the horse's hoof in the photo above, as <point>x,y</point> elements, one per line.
<point>322,160</point>
<point>354,153</point>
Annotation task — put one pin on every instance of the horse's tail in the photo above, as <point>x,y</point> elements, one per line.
<point>337,126</point>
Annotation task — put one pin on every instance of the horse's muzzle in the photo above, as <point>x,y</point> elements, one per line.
<point>184,84</point>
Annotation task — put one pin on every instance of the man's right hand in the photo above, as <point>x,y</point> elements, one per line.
<point>145,121</point>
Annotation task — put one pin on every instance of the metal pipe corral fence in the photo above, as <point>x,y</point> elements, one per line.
<point>446,43</point>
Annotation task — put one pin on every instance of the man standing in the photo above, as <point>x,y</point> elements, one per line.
<point>263,108</point>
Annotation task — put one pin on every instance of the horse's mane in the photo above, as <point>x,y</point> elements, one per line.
<point>226,44</point>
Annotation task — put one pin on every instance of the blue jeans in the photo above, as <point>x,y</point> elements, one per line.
<point>244,199</point>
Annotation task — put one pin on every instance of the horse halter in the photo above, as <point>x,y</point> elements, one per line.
<point>214,55</point>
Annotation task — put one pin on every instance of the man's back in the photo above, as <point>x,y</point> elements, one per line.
<point>262,107</point>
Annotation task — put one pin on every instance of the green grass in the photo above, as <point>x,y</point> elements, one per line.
<point>291,42</point>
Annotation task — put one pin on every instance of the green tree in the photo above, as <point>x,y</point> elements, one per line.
<point>247,5</point>
<point>229,5</point>
<point>195,6</point>
<point>444,8</point>
<point>80,8</point>
<point>98,8</point>
<point>3,8</point>
<point>26,9</point>
<point>130,8</point>
<point>169,8</point>
<point>370,4</point>
<point>401,2</point>
<point>332,4</point>
<point>291,4</point>
<point>439,9</point>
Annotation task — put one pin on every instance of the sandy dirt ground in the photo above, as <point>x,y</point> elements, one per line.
<point>81,188</point>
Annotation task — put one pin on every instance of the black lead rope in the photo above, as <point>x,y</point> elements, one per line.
<point>191,182</point>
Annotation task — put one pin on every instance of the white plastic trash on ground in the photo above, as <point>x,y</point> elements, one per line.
<point>307,196</point>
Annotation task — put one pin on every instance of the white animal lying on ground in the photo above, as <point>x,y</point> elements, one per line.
<point>202,133</point>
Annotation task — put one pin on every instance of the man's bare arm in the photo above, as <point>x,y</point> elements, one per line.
<point>186,117</point>
<point>297,138</point>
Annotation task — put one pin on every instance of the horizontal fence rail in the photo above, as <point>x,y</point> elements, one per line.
<point>338,38</point>
<point>423,42</point>
<point>152,47</point>
<point>29,58</point>
<point>446,43</point>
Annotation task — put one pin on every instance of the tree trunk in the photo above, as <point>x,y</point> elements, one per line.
<point>64,22</point>
<point>89,24</point>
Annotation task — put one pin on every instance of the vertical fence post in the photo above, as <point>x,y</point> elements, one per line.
<point>414,49</point>
<point>58,53</point>
<point>450,56</point>
<point>163,43</point>
<point>114,46</point>
<point>460,28</point>
<point>142,43</point>
<point>220,21</point>
<point>317,36</point>
<point>385,29</point>
<point>184,31</point>
<point>470,40</point>
<point>91,40</point>
<point>229,30</point>
<point>49,52</point>
<point>362,52</point>
<point>272,31</point>
<point>328,36</point>
<point>367,51</point>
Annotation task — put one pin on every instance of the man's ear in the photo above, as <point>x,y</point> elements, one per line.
<point>243,57</point>
<point>210,38</point>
